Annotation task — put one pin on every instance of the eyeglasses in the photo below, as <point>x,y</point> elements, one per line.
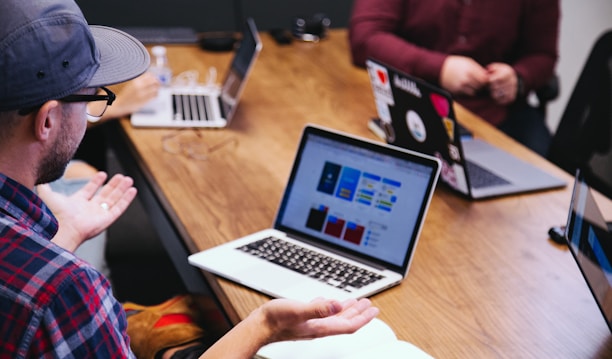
<point>95,108</point>
<point>97,103</point>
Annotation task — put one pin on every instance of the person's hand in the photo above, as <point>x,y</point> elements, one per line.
<point>462,75</point>
<point>90,210</point>
<point>292,320</point>
<point>284,319</point>
<point>503,83</point>
<point>133,96</point>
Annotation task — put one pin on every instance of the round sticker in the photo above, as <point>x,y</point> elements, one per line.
<point>416,126</point>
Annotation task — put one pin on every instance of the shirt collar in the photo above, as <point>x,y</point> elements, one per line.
<point>20,203</point>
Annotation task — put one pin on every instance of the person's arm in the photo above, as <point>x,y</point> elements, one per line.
<point>538,49</point>
<point>282,319</point>
<point>90,210</point>
<point>536,54</point>
<point>374,30</point>
<point>131,97</point>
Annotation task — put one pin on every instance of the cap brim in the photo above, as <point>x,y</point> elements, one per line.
<point>122,57</point>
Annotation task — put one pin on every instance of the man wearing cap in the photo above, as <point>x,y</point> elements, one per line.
<point>52,304</point>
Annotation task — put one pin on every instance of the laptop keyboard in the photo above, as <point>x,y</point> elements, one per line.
<point>191,108</point>
<point>480,177</point>
<point>313,264</point>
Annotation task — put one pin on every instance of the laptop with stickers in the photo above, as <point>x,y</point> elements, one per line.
<point>187,105</point>
<point>346,227</point>
<point>419,116</point>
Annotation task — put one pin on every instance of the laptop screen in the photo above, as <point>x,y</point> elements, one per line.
<point>243,61</point>
<point>590,242</point>
<point>359,197</point>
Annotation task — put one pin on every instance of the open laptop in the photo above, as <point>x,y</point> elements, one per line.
<point>199,105</point>
<point>347,224</point>
<point>590,240</point>
<point>419,116</point>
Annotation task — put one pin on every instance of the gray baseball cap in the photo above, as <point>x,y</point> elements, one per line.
<point>48,51</point>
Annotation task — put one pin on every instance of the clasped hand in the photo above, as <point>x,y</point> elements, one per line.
<point>462,75</point>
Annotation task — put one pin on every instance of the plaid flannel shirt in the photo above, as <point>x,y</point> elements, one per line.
<point>52,304</point>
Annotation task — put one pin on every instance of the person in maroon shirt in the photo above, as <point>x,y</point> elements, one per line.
<point>488,54</point>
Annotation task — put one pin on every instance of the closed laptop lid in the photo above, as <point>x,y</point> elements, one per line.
<point>420,117</point>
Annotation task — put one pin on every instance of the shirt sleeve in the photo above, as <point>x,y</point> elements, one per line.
<point>538,51</point>
<point>84,320</point>
<point>373,29</point>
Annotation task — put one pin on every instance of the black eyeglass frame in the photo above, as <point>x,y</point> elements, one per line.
<point>109,98</point>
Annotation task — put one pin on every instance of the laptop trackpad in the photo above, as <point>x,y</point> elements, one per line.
<point>507,166</point>
<point>267,278</point>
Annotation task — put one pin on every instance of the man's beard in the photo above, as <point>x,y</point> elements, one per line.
<point>55,162</point>
<point>54,166</point>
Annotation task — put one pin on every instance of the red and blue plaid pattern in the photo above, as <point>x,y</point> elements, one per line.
<point>52,304</point>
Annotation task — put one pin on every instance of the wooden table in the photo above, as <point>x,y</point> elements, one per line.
<point>486,282</point>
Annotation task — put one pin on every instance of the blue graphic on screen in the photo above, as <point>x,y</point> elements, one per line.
<point>329,177</point>
<point>362,187</point>
<point>349,180</point>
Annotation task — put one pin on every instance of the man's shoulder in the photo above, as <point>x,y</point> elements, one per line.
<point>36,270</point>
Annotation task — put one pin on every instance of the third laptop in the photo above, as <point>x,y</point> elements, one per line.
<point>420,116</point>
<point>199,105</point>
<point>347,225</point>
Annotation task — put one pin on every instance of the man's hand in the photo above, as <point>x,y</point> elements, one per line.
<point>503,83</point>
<point>291,320</point>
<point>462,75</point>
<point>284,319</point>
<point>90,210</point>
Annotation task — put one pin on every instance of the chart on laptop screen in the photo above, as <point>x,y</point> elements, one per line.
<point>363,203</point>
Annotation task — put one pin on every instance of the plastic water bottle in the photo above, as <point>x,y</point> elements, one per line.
<point>159,66</point>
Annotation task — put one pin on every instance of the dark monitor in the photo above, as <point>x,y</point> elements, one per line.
<point>201,15</point>
<point>211,15</point>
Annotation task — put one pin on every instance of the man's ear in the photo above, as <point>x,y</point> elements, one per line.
<point>46,118</point>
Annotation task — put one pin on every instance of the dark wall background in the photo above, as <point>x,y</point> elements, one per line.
<point>211,15</point>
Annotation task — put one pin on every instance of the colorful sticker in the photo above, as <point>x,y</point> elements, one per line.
<point>382,109</point>
<point>449,125</point>
<point>440,103</point>
<point>453,152</point>
<point>379,78</point>
<point>453,175</point>
<point>416,126</point>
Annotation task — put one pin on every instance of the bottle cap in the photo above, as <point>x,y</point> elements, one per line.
<point>158,50</point>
